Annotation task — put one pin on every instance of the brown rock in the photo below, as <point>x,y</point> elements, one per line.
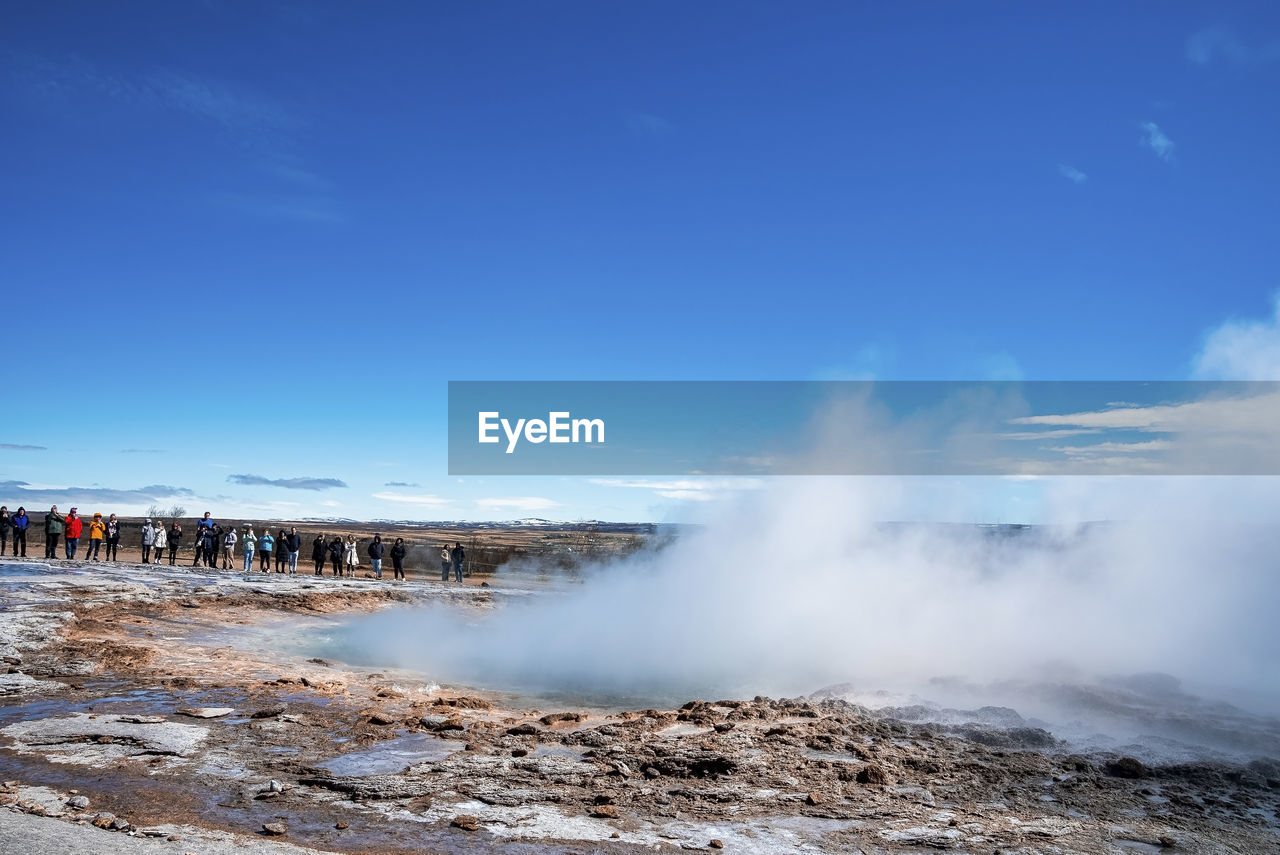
<point>463,703</point>
<point>557,718</point>
<point>1167,842</point>
<point>275,829</point>
<point>872,774</point>
<point>716,843</point>
<point>528,728</point>
<point>604,812</point>
<point>342,826</point>
<point>466,822</point>
<point>813,799</point>
<point>1127,767</point>
<point>380,717</point>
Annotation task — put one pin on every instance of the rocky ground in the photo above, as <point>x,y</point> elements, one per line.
<point>151,706</point>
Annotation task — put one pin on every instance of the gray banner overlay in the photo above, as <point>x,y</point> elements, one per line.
<point>863,428</point>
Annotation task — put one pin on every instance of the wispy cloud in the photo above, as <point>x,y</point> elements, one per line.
<point>1220,43</point>
<point>140,451</point>
<point>37,494</point>
<point>400,484</point>
<point>1156,140</point>
<point>424,500</point>
<point>1072,174</point>
<point>647,124</point>
<point>527,504</point>
<point>286,483</point>
<point>16,446</point>
<point>263,128</point>
<point>685,489</point>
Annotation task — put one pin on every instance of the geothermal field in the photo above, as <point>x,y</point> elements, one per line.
<point>786,679</point>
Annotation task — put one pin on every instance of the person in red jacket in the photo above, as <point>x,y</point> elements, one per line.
<point>75,526</point>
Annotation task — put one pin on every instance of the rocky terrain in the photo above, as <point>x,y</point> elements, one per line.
<point>163,708</point>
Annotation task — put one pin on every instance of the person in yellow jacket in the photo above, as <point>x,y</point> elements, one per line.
<point>97,531</point>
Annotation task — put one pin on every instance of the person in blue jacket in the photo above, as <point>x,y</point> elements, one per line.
<point>20,523</point>
<point>264,551</point>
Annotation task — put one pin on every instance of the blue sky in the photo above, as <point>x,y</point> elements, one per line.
<point>257,239</point>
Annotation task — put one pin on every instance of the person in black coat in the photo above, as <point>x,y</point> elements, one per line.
<point>318,552</point>
<point>397,558</point>
<point>335,554</point>
<point>175,539</point>
<point>282,551</point>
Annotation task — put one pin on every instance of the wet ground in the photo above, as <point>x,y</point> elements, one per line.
<point>181,704</point>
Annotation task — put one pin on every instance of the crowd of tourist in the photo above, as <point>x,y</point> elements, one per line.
<point>214,545</point>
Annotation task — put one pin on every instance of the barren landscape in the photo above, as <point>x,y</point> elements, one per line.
<point>177,710</point>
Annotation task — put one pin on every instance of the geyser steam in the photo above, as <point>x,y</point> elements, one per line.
<point>802,585</point>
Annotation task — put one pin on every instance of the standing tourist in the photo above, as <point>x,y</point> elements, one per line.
<point>175,540</point>
<point>375,555</point>
<point>282,551</point>
<point>264,551</point>
<point>162,541</point>
<point>397,558</point>
<point>458,555</point>
<point>318,551</point>
<point>97,531</point>
<point>446,561</point>
<point>249,543</point>
<point>113,537</point>
<point>5,525</point>
<point>352,555</point>
<point>229,548</point>
<point>148,540</point>
<point>20,522</point>
<point>54,524</point>
<point>293,545</point>
<point>335,554</point>
<point>75,527</point>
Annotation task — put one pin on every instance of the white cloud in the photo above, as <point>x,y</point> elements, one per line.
<point>1221,43</point>
<point>1242,349</point>
<point>686,489</point>
<point>1072,174</point>
<point>426,500</point>
<point>1156,140</point>
<point>1114,448</point>
<point>517,503</point>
